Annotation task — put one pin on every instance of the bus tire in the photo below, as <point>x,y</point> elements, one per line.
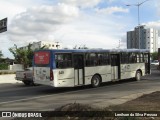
<point>138,76</point>
<point>95,81</point>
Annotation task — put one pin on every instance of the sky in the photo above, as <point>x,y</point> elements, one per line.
<point>90,23</point>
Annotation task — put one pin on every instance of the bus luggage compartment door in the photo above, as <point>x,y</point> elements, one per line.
<point>79,69</point>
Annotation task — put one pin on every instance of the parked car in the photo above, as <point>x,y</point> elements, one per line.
<point>26,76</point>
<point>155,62</point>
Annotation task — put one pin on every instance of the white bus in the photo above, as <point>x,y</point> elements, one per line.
<point>70,68</point>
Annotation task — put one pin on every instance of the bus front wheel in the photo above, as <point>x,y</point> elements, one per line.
<point>96,80</point>
<point>138,76</point>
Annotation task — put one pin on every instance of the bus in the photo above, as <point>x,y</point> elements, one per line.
<point>78,67</point>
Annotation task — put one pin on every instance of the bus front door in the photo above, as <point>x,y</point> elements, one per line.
<point>79,69</point>
<point>115,66</point>
<point>147,63</point>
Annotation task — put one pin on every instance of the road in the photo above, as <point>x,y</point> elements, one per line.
<point>17,97</point>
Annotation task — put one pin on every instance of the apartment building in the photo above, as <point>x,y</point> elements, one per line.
<point>143,38</point>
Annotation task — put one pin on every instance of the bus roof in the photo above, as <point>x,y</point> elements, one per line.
<point>95,50</point>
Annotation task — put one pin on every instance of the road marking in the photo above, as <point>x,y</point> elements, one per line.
<point>25,99</point>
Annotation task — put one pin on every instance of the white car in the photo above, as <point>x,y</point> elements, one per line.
<point>26,76</point>
<point>155,62</point>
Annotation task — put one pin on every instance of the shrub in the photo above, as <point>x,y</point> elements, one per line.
<point>3,66</point>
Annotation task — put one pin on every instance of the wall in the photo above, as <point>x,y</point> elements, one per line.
<point>16,67</point>
<point>8,78</point>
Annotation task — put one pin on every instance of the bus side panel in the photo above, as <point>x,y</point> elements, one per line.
<point>104,71</point>
<point>64,77</point>
<point>129,70</point>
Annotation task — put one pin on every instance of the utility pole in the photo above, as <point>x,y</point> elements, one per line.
<point>138,6</point>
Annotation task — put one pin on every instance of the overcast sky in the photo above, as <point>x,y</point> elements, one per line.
<point>94,23</point>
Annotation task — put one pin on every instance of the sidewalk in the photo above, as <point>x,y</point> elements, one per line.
<point>8,78</point>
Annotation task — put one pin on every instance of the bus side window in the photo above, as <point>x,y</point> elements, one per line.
<point>63,60</point>
<point>91,59</point>
<point>106,59</point>
<point>87,59</point>
<point>132,58</point>
<point>138,58</point>
<point>146,58</point>
<point>141,58</point>
<point>56,61</point>
<point>100,59</point>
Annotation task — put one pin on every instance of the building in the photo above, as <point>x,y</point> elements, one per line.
<point>143,38</point>
<point>48,45</point>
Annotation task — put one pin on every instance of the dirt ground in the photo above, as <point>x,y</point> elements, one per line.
<point>146,103</point>
<point>149,103</point>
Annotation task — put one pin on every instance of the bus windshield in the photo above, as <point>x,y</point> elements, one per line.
<point>41,58</point>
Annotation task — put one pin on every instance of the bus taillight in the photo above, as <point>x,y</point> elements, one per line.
<point>51,75</point>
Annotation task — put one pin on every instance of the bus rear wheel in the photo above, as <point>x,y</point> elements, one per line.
<point>96,80</point>
<point>138,76</point>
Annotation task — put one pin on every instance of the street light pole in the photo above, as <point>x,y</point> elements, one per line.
<point>138,6</point>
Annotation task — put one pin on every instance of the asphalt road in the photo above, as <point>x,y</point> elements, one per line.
<point>20,97</point>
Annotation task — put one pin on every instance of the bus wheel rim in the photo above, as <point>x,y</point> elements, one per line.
<point>96,81</point>
<point>138,76</point>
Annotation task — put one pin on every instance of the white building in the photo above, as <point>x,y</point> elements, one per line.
<point>152,40</point>
<point>143,38</point>
<point>48,45</point>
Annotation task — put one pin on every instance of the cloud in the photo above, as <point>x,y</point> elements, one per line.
<point>111,10</point>
<point>92,31</point>
<point>72,22</point>
<point>10,10</point>
<point>67,24</point>
<point>40,21</point>
<point>82,3</point>
<point>153,24</point>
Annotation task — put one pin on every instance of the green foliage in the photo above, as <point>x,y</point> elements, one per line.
<point>4,66</point>
<point>7,72</point>
<point>22,56</point>
<point>1,55</point>
<point>154,56</point>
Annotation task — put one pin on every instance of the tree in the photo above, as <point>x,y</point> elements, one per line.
<point>22,56</point>
<point>154,56</point>
<point>1,55</point>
